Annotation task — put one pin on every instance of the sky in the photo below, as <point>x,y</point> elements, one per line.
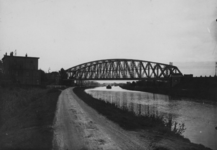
<point>66,33</point>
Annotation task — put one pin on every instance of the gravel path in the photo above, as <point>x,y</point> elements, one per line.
<point>75,129</point>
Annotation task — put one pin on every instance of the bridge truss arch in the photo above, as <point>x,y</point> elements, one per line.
<point>122,69</point>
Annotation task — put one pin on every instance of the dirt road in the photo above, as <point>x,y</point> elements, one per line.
<point>79,127</point>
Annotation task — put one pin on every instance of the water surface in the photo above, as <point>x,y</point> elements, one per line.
<point>199,118</point>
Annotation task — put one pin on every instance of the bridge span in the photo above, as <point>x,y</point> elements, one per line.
<point>122,69</point>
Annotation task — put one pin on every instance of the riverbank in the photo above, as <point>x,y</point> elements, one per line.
<point>161,133</point>
<point>202,94</point>
<point>201,88</point>
<point>26,117</point>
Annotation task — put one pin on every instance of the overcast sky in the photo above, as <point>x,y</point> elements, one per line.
<point>65,33</point>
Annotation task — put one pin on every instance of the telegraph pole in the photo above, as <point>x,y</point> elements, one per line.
<point>215,68</point>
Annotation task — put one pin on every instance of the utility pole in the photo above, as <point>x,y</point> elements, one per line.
<point>215,68</point>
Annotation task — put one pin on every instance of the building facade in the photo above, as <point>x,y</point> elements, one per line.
<point>21,70</point>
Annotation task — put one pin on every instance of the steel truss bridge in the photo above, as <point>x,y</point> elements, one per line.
<point>122,69</point>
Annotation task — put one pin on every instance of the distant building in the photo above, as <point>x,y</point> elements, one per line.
<point>188,76</point>
<point>23,70</point>
<point>54,77</point>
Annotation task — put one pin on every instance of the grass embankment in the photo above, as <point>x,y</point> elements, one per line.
<point>130,121</point>
<point>26,118</point>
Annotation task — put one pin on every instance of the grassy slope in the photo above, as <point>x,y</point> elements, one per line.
<point>130,121</point>
<point>26,118</point>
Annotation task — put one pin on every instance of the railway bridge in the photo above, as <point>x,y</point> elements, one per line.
<point>123,69</point>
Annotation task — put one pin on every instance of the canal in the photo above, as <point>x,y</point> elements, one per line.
<point>199,118</point>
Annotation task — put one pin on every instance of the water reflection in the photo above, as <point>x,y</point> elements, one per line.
<point>134,102</point>
<point>138,103</point>
<point>199,118</point>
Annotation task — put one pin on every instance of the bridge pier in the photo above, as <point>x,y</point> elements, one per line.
<point>79,83</point>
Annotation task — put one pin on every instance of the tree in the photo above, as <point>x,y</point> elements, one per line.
<point>133,83</point>
<point>63,75</point>
<point>43,77</point>
<point>1,70</point>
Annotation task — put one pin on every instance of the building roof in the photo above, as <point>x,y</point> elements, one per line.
<point>6,56</point>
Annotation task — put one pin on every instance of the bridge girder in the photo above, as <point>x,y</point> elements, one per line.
<point>122,69</point>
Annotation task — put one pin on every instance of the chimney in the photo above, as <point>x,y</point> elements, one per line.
<point>11,54</point>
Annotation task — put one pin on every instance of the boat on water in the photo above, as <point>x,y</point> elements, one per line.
<point>108,86</point>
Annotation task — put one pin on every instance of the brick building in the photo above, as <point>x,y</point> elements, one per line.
<point>22,70</point>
